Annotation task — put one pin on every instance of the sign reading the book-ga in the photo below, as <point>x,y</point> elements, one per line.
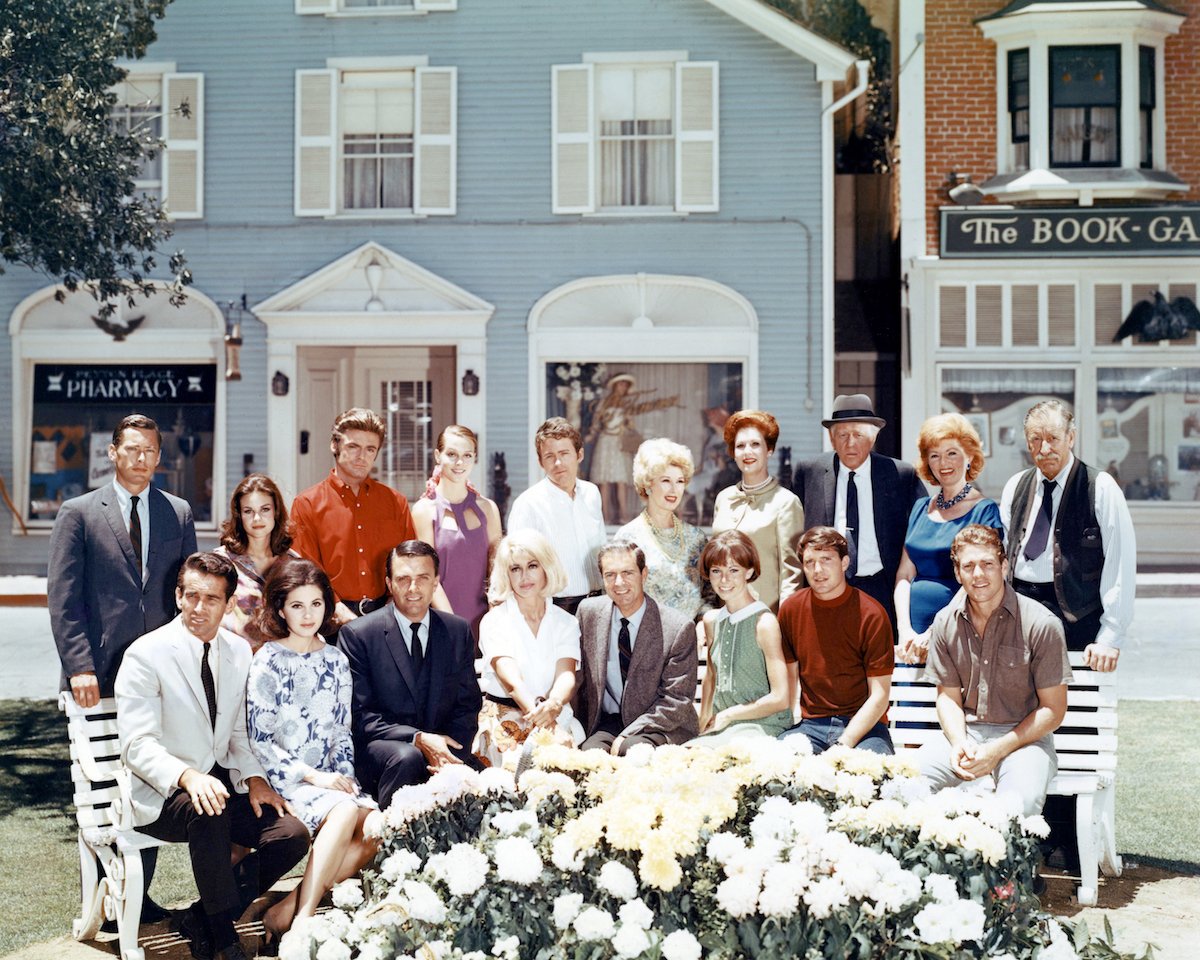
<point>1071,232</point>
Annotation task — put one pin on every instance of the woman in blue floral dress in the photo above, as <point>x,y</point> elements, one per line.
<point>298,715</point>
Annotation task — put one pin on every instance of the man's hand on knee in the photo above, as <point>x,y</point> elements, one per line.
<point>261,795</point>
<point>208,794</point>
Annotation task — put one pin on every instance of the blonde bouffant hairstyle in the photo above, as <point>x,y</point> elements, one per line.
<point>949,426</point>
<point>534,545</point>
<point>654,457</point>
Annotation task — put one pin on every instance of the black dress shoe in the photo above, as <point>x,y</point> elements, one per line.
<point>193,927</point>
<point>232,952</point>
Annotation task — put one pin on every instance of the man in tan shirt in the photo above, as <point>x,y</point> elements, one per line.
<point>1000,664</point>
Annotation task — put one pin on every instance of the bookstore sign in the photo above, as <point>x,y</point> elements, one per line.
<point>1071,232</point>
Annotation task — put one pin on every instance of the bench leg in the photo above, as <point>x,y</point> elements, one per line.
<point>129,905</point>
<point>91,895</point>
<point>1085,833</point>
<point>1110,860</point>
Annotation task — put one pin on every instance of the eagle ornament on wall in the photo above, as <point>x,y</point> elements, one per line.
<point>1160,320</point>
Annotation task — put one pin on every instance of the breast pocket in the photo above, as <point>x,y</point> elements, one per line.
<point>1014,657</point>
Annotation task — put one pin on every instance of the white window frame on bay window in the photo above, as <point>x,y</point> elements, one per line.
<point>576,164</point>
<point>181,184</point>
<point>338,8</point>
<point>318,145</point>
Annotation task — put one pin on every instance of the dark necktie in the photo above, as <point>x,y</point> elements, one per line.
<point>1036,545</point>
<point>852,523</point>
<point>624,649</point>
<point>418,652</point>
<point>210,687</point>
<point>135,534</point>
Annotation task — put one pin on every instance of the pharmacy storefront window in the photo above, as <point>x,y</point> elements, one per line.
<point>76,407</point>
<point>995,401</point>
<point>1148,420</point>
<point>616,405</point>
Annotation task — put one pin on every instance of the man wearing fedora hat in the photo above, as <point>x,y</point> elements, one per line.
<point>864,495</point>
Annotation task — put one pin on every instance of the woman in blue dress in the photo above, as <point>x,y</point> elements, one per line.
<point>951,457</point>
<point>298,717</point>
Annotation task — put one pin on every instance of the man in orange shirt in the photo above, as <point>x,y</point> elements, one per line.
<point>348,522</point>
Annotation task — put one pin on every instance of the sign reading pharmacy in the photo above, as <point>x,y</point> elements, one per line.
<point>1172,231</point>
<point>149,383</point>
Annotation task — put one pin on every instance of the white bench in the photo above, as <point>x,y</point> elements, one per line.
<point>1086,744</point>
<point>110,850</point>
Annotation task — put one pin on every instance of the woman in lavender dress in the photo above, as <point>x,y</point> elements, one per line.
<point>298,717</point>
<point>461,525</point>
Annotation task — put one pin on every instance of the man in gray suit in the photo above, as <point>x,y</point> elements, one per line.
<point>114,556</point>
<point>638,681</point>
<point>864,495</point>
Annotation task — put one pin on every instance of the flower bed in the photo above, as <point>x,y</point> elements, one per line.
<point>754,850</point>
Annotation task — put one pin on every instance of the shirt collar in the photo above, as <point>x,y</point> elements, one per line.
<point>125,497</point>
<point>1061,479</point>
<point>340,485</point>
<point>635,619</point>
<point>406,625</point>
<point>958,603</point>
<point>749,610</point>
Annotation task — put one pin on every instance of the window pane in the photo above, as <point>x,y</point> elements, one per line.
<point>1085,85</point>
<point>1149,425</point>
<point>376,117</point>
<point>637,144</point>
<point>76,407</point>
<point>138,112</point>
<point>1146,97</point>
<point>1085,76</point>
<point>407,455</point>
<point>688,402</point>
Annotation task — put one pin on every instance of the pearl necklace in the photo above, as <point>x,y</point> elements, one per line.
<point>756,488</point>
<point>664,538</point>
<point>957,498</point>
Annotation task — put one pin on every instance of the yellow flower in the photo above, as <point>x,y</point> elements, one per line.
<point>660,870</point>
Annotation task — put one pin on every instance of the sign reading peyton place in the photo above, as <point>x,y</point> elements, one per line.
<point>121,383</point>
<point>1071,232</point>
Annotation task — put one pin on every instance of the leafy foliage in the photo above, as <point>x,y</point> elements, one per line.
<point>67,203</point>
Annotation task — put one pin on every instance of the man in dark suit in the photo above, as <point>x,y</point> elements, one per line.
<point>865,496</point>
<point>638,681</point>
<point>416,696</point>
<point>114,556</point>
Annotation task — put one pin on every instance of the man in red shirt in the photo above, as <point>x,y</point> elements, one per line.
<point>838,644</point>
<point>348,522</point>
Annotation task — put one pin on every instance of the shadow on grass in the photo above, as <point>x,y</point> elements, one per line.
<point>35,761</point>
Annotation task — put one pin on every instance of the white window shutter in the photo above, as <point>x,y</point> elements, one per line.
<point>316,6</point>
<point>316,142</point>
<point>573,157</point>
<point>696,153</point>
<point>435,4</point>
<point>435,125</point>
<point>183,134</point>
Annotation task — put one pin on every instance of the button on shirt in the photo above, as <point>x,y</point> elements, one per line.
<point>349,535</point>
<point>613,687</point>
<point>1021,651</point>
<point>125,501</point>
<point>869,561</point>
<point>574,525</point>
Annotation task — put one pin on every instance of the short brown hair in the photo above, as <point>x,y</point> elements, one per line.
<point>949,426</point>
<point>135,421</point>
<point>285,576</point>
<point>823,538</point>
<point>760,420</point>
<point>210,564</point>
<point>977,535</point>
<point>411,548</point>
<point>621,546</point>
<point>233,531</point>
<point>557,428</point>
<point>730,545</point>
<point>357,418</point>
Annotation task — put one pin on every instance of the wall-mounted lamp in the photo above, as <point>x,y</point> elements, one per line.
<point>470,384</point>
<point>279,384</point>
<point>961,190</point>
<point>233,310</point>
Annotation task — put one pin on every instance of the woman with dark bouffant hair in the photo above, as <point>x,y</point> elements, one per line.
<point>298,716</point>
<point>254,535</point>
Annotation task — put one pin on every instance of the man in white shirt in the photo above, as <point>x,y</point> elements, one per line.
<point>1070,539</point>
<point>565,510</point>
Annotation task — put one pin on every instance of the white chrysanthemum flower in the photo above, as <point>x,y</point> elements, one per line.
<point>370,951</point>
<point>723,847</point>
<point>423,902</point>
<point>681,945</point>
<point>466,869</point>
<point>895,891</point>
<point>435,867</point>
<point>348,894</point>
<point>738,895</point>
<point>566,909</point>
<point>374,824</point>
<point>942,888</point>
<point>631,941</point>
<point>595,924</point>
<point>1036,826</point>
<point>617,880</point>
<point>824,896</point>
<point>296,944</point>
<point>954,922</point>
<point>333,950</point>
<point>907,790</point>
<point>782,885</point>
<point>636,912</point>
<point>517,860</point>
<point>507,949</point>
<point>639,755</point>
<point>399,865</point>
<point>495,780</point>
<point>508,822</point>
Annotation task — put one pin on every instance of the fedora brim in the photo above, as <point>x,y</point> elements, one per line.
<point>876,421</point>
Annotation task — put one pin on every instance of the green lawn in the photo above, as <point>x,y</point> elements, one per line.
<point>39,868</point>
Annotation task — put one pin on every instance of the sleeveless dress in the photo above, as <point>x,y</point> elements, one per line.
<point>741,673</point>
<point>928,545</point>
<point>463,556</point>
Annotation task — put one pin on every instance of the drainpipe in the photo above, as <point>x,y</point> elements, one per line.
<point>863,71</point>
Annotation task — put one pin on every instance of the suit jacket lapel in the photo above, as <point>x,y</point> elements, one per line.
<point>437,660</point>
<point>112,513</point>
<point>600,641</point>
<point>161,516</point>
<point>187,665</point>
<point>394,641</point>
<point>829,488</point>
<point>645,647</point>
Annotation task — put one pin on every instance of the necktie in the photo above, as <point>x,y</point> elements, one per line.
<point>135,534</point>
<point>418,652</point>
<point>210,687</point>
<point>624,650</point>
<point>1036,545</point>
<point>852,523</point>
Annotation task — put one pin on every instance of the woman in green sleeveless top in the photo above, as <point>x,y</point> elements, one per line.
<point>746,686</point>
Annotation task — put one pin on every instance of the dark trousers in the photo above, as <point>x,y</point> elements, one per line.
<point>1080,633</point>
<point>609,727</point>
<point>879,586</point>
<point>392,764</point>
<point>280,841</point>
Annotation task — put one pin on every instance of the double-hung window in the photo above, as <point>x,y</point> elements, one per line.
<point>376,121</point>
<point>1085,106</point>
